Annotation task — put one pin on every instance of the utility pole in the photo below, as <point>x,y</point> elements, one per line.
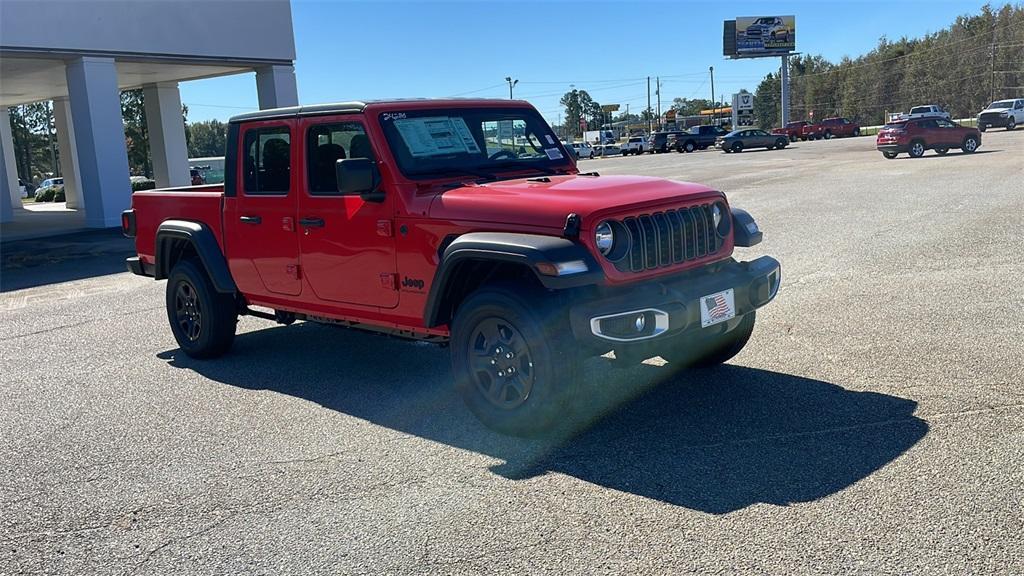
<point>650,127</point>
<point>658,92</point>
<point>511,83</point>
<point>992,65</point>
<point>714,104</point>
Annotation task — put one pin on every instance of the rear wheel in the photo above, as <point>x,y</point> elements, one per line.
<point>982,127</point>
<point>890,155</point>
<point>714,351</point>
<point>970,145</point>
<point>828,135</point>
<point>514,363</point>
<point>781,143</point>
<point>202,319</point>
<point>941,151</point>
<point>856,131</point>
<point>916,149</point>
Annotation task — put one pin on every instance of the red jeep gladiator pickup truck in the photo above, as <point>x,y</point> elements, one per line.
<point>463,222</point>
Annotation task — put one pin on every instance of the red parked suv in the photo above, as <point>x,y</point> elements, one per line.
<point>830,128</point>
<point>791,130</point>
<point>916,136</point>
<point>423,219</point>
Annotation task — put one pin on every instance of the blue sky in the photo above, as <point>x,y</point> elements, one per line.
<point>366,50</point>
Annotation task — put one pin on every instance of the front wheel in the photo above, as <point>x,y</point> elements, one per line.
<point>737,147</point>
<point>890,155</point>
<point>1011,123</point>
<point>714,351</point>
<point>828,135</point>
<point>982,127</point>
<point>513,361</point>
<point>856,132</point>
<point>690,146</point>
<point>202,319</point>
<point>970,145</point>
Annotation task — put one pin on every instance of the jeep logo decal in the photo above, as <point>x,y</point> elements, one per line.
<point>413,283</point>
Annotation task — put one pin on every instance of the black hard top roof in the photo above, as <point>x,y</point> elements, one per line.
<point>352,107</point>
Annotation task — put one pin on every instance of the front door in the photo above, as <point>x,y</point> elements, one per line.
<point>346,243</point>
<point>259,221</point>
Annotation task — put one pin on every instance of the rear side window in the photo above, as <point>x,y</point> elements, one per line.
<point>328,143</point>
<point>267,160</point>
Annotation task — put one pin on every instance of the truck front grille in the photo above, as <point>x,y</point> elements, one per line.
<point>991,117</point>
<point>667,238</point>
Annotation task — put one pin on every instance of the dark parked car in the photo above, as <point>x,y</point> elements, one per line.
<point>697,138</point>
<point>658,141</point>
<point>916,136</point>
<point>739,140</point>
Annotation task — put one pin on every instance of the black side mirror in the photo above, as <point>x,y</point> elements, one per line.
<point>359,176</point>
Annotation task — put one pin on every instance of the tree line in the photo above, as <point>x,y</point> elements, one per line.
<point>978,59</point>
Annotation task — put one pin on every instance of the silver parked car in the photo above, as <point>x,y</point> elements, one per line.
<point>739,140</point>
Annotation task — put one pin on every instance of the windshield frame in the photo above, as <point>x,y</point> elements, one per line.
<point>447,166</point>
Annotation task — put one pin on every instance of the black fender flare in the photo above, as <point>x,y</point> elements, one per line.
<point>205,244</point>
<point>527,250</point>
<point>745,230</point>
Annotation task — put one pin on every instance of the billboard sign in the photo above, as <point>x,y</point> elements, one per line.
<point>765,35</point>
<point>743,101</point>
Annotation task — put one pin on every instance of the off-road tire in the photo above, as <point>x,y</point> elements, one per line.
<point>544,359</point>
<point>202,319</point>
<point>715,351</point>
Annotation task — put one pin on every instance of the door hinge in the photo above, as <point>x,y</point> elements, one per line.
<point>294,271</point>
<point>384,228</point>
<point>389,281</point>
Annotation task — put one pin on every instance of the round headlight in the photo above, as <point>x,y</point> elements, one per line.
<point>604,238</point>
<point>723,222</point>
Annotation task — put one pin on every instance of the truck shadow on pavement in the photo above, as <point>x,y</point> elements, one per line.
<point>715,440</point>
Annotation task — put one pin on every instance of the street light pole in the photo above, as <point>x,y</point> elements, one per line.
<point>511,83</point>
<point>714,105</point>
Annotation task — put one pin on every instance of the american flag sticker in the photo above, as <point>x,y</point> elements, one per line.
<point>717,307</point>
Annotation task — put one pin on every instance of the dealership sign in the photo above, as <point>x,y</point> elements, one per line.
<point>753,36</point>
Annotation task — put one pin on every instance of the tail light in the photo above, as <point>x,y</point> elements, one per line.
<point>128,223</point>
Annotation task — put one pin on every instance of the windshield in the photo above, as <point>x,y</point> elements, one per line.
<point>1002,104</point>
<point>478,141</point>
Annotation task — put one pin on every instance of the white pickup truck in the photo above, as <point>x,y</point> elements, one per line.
<point>929,111</point>
<point>633,145</point>
<point>1005,113</point>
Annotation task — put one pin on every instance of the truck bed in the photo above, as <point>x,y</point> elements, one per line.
<point>197,203</point>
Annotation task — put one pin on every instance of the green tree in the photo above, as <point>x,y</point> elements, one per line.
<point>207,138</point>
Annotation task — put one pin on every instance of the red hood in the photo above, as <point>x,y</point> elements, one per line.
<point>529,202</point>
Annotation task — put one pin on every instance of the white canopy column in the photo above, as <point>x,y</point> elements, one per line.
<point>99,138</point>
<point>10,192</point>
<point>68,152</point>
<point>275,87</point>
<point>167,146</point>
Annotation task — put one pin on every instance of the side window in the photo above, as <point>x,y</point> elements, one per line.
<point>267,160</point>
<point>945,124</point>
<point>328,143</point>
<point>1020,105</point>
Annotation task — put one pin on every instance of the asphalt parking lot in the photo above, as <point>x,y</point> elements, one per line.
<point>874,424</point>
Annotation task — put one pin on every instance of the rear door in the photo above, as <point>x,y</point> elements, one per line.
<point>262,246</point>
<point>948,134</point>
<point>347,244</point>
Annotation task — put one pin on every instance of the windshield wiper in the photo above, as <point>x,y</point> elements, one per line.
<point>455,170</point>
<point>526,165</point>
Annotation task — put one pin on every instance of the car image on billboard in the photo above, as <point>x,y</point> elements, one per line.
<point>765,34</point>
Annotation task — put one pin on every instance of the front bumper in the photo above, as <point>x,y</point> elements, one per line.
<point>673,304</point>
<point>993,121</point>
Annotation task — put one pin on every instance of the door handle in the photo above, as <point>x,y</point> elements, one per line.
<point>311,222</point>
<point>250,219</point>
